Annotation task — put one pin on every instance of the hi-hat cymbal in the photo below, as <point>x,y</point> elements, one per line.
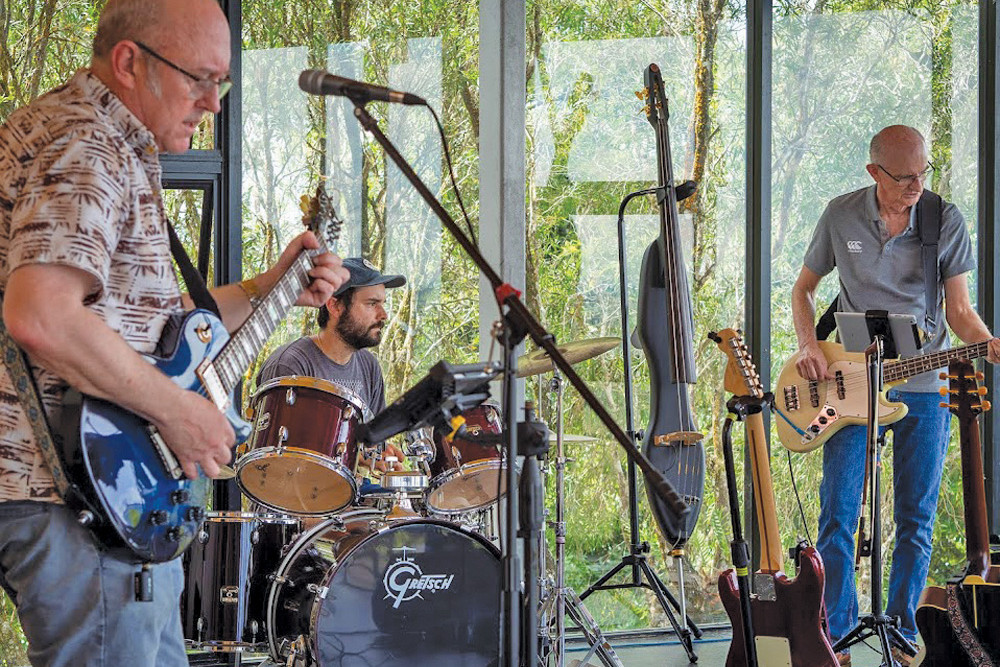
<point>225,472</point>
<point>572,437</point>
<point>539,361</point>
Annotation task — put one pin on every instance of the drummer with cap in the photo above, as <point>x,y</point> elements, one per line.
<point>350,322</point>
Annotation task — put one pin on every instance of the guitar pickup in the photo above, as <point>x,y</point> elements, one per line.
<point>822,421</point>
<point>791,393</point>
<point>212,383</point>
<point>167,457</point>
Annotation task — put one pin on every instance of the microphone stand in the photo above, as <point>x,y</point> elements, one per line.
<point>518,639</point>
<point>876,623</point>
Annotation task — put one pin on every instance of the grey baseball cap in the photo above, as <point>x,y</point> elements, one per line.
<point>364,274</point>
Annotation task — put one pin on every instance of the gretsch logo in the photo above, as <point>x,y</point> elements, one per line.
<point>854,247</point>
<point>404,580</point>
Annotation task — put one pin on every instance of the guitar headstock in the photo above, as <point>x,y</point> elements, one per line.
<point>656,100</point>
<point>319,217</point>
<point>964,393</point>
<point>741,378</point>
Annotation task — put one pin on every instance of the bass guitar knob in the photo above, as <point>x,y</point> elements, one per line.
<point>85,518</point>
<point>158,517</point>
<point>194,514</point>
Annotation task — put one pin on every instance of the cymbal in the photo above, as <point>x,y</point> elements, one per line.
<point>572,437</point>
<point>225,472</point>
<point>539,361</point>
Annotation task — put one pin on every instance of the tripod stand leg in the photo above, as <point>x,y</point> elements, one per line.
<point>603,580</point>
<point>590,629</point>
<point>657,586</point>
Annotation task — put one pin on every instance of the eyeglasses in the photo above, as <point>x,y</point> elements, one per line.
<point>201,85</point>
<point>907,181</point>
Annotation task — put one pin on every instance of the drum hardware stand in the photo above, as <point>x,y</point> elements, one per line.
<point>877,623</point>
<point>519,588</point>
<point>643,575</point>
<point>562,600</point>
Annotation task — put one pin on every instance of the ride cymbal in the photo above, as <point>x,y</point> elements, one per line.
<point>539,360</point>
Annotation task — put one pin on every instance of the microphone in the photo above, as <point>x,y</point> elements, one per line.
<point>320,82</point>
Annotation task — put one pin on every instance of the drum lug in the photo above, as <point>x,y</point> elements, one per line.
<point>348,414</point>
<point>320,591</point>
<point>282,434</point>
<point>290,396</point>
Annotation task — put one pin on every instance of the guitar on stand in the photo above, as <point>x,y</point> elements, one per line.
<point>785,612</point>
<point>960,622</point>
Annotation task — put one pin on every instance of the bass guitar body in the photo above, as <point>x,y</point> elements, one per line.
<point>786,626</point>
<point>681,462</point>
<point>121,466</point>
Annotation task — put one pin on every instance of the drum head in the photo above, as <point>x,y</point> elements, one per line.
<point>471,487</point>
<point>418,593</point>
<point>296,481</point>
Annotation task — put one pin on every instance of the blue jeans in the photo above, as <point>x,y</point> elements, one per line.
<point>76,602</point>
<point>920,441</point>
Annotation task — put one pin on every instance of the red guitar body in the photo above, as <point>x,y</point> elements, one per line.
<point>792,617</point>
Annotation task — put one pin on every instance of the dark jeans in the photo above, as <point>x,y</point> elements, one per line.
<point>76,602</point>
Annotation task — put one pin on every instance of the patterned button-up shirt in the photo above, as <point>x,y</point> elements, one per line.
<point>80,187</point>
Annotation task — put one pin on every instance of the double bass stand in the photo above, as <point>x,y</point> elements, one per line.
<point>877,623</point>
<point>643,575</point>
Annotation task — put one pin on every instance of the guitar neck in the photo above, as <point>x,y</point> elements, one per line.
<point>897,371</point>
<point>977,544</point>
<point>247,342</point>
<point>760,468</point>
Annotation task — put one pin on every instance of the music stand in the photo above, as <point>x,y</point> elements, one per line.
<point>876,623</point>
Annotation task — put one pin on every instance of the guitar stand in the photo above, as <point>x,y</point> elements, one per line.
<point>877,623</point>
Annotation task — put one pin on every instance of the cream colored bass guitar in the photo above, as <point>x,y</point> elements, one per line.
<point>809,412</point>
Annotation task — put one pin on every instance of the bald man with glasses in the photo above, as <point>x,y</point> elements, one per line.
<point>88,284</point>
<point>870,237</point>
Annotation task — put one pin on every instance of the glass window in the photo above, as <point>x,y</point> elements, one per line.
<point>293,141</point>
<point>589,144</point>
<point>839,76</point>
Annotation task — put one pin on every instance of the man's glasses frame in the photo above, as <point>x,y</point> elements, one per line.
<point>909,179</point>
<point>201,84</point>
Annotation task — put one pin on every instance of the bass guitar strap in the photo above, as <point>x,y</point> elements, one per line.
<point>965,635</point>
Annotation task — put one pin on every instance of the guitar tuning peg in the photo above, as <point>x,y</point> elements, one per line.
<point>981,391</point>
<point>950,406</point>
<point>943,390</point>
<point>942,375</point>
<point>642,94</point>
<point>980,376</point>
<point>985,405</point>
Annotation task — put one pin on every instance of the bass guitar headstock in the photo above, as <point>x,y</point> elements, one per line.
<point>964,391</point>
<point>320,217</point>
<point>656,99</point>
<point>741,377</point>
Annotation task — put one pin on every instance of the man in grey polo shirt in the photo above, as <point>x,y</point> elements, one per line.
<point>349,323</point>
<point>870,237</point>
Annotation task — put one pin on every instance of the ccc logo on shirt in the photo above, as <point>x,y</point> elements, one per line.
<point>854,247</point>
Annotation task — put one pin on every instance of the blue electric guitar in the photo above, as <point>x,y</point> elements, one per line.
<point>133,491</point>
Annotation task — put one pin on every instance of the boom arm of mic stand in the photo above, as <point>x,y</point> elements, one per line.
<point>523,317</point>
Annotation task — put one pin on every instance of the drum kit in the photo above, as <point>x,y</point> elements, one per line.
<point>325,570</point>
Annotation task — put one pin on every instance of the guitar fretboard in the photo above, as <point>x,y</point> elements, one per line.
<point>907,368</point>
<point>249,339</point>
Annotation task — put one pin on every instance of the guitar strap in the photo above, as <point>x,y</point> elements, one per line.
<point>930,210</point>
<point>193,280</point>
<point>965,635</point>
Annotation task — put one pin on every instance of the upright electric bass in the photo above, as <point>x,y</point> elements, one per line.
<point>786,612</point>
<point>666,332</point>
<point>960,622</point>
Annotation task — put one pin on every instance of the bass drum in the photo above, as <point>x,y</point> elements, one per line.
<point>355,590</point>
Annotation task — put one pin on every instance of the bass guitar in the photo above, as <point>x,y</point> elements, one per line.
<point>120,462</point>
<point>786,611</point>
<point>960,622</point>
<point>810,411</point>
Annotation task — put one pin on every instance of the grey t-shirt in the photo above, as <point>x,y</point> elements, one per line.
<point>361,374</point>
<point>878,272</point>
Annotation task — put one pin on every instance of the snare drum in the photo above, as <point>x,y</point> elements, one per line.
<point>355,589</point>
<point>228,572</point>
<point>303,451</point>
<point>466,475</point>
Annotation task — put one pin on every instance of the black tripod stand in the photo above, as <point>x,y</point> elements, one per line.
<point>643,575</point>
<point>877,623</point>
